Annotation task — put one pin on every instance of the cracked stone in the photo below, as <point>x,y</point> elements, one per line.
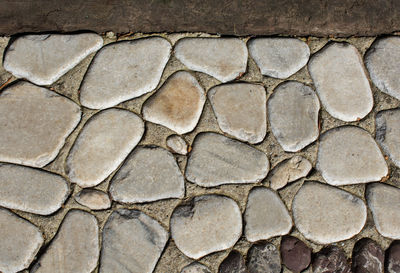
<point>177,105</point>
<point>149,174</point>
<point>195,267</point>
<point>326,214</point>
<point>240,109</point>
<point>263,258</point>
<point>392,264</point>
<point>198,228</point>
<point>293,114</point>
<point>104,142</point>
<point>216,160</point>
<point>177,144</point>
<point>43,59</point>
<point>132,242</point>
<point>296,255</point>
<point>35,123</point>
<point>223,58</point>
<point>233,263</point>
<point>368,257</point>
<point>93,199</point>
<point>124,70</point>
<point>279,57</point>
<point>349,155</point>
<point>331,259</point>
<point>388,133</point>
<point>341,82</point>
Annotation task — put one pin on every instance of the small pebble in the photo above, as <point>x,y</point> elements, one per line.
<point>368,257</point>
<point>296,255</point>
<point>195,267</point>
<point>93,199</point>
<point>177,144</point>
<point>263,258</point>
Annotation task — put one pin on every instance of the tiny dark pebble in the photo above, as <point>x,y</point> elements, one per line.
<point>368,257</point>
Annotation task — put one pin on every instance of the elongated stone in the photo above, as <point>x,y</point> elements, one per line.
<point>177,144</point>
<point>263,258</point>
<point>93,199</point>
<point>195,267</point>
<point>233,263</point>
<point>388,133</point>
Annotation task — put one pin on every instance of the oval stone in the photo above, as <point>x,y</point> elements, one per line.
<point>388,133</point>
<point>93,199</point>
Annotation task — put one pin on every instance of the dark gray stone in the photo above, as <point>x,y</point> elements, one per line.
<point>368,257</point>
<point>263,258</point>
<point>392,263</point>
<point>233,263</point>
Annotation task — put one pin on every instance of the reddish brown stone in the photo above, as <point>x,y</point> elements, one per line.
<point>368,257</point>
<point>295,254</point>
<point>331,259</point>
<point>392,263</point>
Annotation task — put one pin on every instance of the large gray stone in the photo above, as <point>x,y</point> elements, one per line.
<point>93,199</point>
<point>388,133</point>
<point>263,258</point>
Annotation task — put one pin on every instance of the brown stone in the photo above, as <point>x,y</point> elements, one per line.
<point>295,254</point>
<point>330,259</point>
<point>368,257</point>
<point>392,263</point>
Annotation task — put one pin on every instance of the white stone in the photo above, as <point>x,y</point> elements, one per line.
<point>206,224</point>
<point>43,59</point>
<point>382,61</point>
<point>216,160</point>
<point>34,124</point>
<point>148,174</point>
<point>293,115</point>
<point>177,144</point>
<point>384,203</point>
<point>104,142</point>
<point>241,110</point>
<point>279,57</point>
<point>123,71</point>
<point>325,214</point>
<point>341,82</point>
<point>266,215</point>
<point>31,190</point>
<point>388,133</point>
<point>75,248</point>
<point>132,243</point>
<point>223,58</point>
<point>177,105</point>
<point>93,199</point>
<point>20,241</point>
<point>349,155</point>
<point>195,267</point>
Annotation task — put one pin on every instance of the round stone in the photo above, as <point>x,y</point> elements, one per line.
<point>368,257</point>
<point>93,199</point>
<point>295,254</point>
<point>263,257</point>
<point>388,133</point>
<point>331,259</point>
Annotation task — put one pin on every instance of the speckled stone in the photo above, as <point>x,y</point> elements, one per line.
<point>392,263</point>
<point>93,199</point>
<point>233,263</point>
<point>295,254</point>
<point>263,258</point>
<point>368,257</point>
<point>388,133</point>
<point>195,267</point>
<point>177,144</point>
<point>330,259</point>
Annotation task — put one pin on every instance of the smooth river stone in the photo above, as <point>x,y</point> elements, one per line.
<point>207,224</point>
<point>124,70</point>
<point>388,133</point>
<point>326,214</point>
<point>93,199</point>
<point>43,59</point>
<point>104,142</point>
<point>177,144</point>
<point>216,160</point>
<point>295,254</point>
<point>195,267</point>
<point>34,124</point>
<point>349,155</point>
<point>341,82</point>
<point>263,257</point>
<point>31,190</point>
<point>233,263</point>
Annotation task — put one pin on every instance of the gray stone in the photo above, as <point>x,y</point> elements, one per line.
<point>93,199</point>
<point>31,190</point>
<point>341,82</point>
<point>75,248</point>
<point>388,133</point>
<point>325,214</point>
<point>195,267</point>
<point>240,109</point>
<point>206,224</point>
<point>132,242</point>
<point>293,115</point>
<point>233,263</point>
<point>349,155</point>
<point>20,241</point>
<point>104,142</point>
<point>43,59</point>
<point>177,144</point>
<point>331,259</point>
<point>177,105</point>
<point>368,257</point>
<point>123,71</point>
<point>384,203</point>
<point>223,58</point>
<point>148,174</point>
<point>35,123</point>
<point>266,215</point>
<point>288,170</point>
<point>263,258</point>
<point>392,264</point>
<point>216,160</point>
<point>279,57</point>
<point>382,61</point>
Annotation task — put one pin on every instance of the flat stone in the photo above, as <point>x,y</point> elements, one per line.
<point>349,155</point>
<point>295,254</point>
<point>93,199</point>
<point>388,133</point>
<point>263,258</point>
<point>177,105</point>
<point>331,259</point>
<point>148,174</point>
<point>288,170</point>
<point>104,142</point>
<point>198,228</point>
<point>20,242</point>
<point>293,115</point>
<point>368,257</point>
<point>384,203</point>
<point>341,83</point>
<point>195,267</point>
<point>279,57</point>
<point>223,58</point>
<point>132,242</point>
<point>75,248</point>
<point>382,61</point>
<point>43,59</point>
<point>31,190</point>
<point>266,215</point>
<point>216,159</point>
<point>240,109</point>
<point>124,70</point>
<point>177,144</point>
<point>325,214</point>
<point>33,135</point>
<point>233,263</point>
<point>392,264</point>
